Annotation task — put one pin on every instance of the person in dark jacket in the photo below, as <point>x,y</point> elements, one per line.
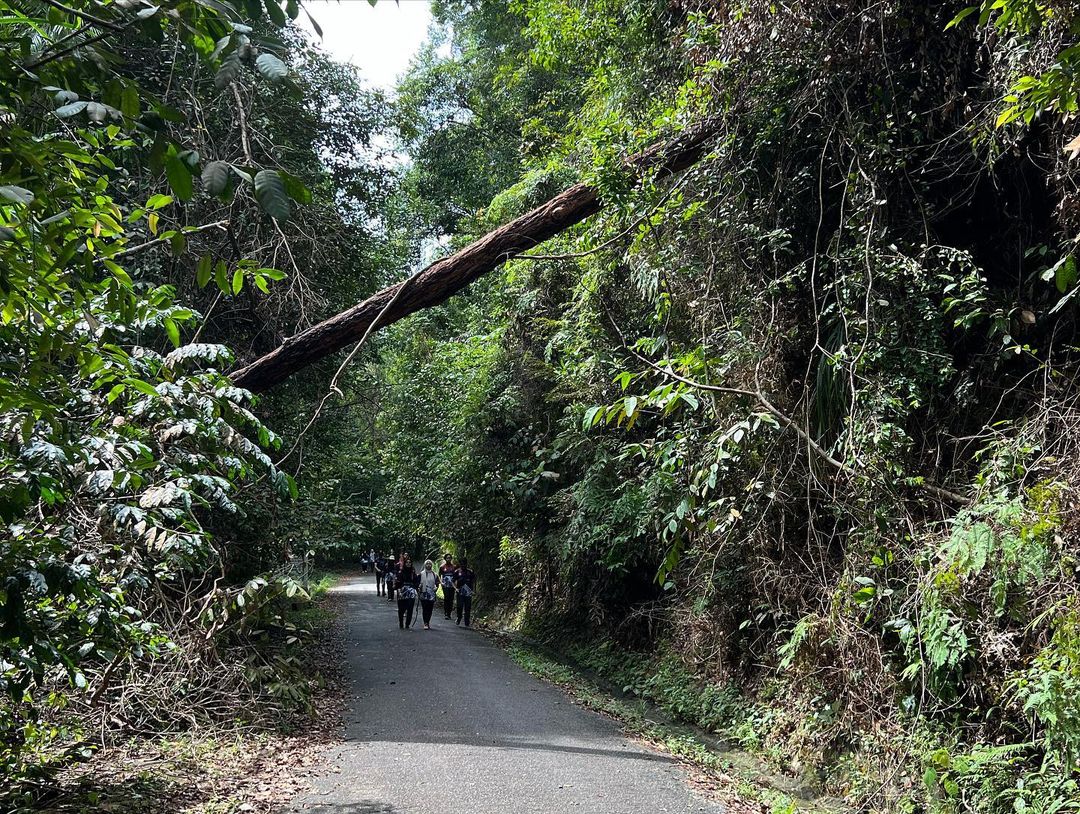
<point>446,577</point>
<point>380,574</point>
<point>407,582</point>
<point>465,583</point>
<point>391,578</point>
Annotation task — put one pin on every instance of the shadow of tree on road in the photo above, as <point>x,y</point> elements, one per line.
<point>358,807</point>
<point>515,743</point>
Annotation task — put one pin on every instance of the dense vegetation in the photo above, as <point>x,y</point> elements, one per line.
<point>795,431</point>
<point>167,184</point>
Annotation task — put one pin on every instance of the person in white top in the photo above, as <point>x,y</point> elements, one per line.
<point>429,584</point>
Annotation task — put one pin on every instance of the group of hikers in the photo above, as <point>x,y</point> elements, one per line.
<point>453,581</point>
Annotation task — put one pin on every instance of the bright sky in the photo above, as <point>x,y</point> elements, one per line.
<point>379,40</point>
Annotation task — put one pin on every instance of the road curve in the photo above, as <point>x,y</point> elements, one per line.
<point>443,721</point>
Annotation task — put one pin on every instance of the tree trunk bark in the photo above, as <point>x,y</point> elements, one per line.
<point>444,278</point>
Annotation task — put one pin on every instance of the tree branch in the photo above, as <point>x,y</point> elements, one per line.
<point>242,115</point>
<point>84,15</point>
<point>220,224</point>
<point>47,58</point>
<point>445,278</point>
<point>402,289</point>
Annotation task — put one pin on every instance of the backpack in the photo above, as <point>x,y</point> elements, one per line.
<point>466,589</point>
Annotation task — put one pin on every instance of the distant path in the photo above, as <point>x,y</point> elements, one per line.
<point>442,721</point>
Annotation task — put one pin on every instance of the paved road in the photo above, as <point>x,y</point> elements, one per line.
<point>443,721</point>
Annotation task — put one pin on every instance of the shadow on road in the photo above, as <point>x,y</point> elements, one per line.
<point>446,715</point>
<point>359,807</point>
<point>504,743</point>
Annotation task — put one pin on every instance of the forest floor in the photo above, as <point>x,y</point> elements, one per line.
<point>444,719</point>
<point>254,768</point>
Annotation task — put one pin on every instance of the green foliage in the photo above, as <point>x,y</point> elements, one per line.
<point>271,195</point>
<point>995,779</point>
<point>113,445</point>
<point>1002,548</point>
<point>1025,22</point>
<point>1047,691</point>
<point>793,432</point>
<point>127,456</point>
<point>776,418</point>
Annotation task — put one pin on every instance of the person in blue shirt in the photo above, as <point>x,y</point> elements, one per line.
<point>465,584</point>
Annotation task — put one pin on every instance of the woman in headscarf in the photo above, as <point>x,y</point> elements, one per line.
<point>406,590</point>
<point>429,584</point>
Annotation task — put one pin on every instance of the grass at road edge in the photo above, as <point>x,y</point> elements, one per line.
<point>729,776</point>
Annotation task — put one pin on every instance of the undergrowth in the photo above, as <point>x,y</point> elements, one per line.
<point>258,677</point>
<point>731,773</point>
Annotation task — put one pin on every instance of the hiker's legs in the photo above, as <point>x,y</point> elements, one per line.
<point>402,604</point>
<point>427,606</point>
<point>448,601</point>
<point>409,605</point>
<point>467,602</point>
<point>464,606</point>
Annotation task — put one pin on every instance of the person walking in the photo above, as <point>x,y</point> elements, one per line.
<point>446,576</point>
<point>429,584</point>
<point>380,574</point>
<point>465,583</point>
<point>407,580</point>
<point>391,579</point>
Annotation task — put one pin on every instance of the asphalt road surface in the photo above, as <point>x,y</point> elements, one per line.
<point>443,721</point>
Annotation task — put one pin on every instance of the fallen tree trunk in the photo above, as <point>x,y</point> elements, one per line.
<point>444,278</point>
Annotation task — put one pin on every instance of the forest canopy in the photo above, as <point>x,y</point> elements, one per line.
<point>789,438</point>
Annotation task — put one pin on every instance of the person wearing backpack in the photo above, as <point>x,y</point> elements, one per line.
<point>380,574</point>
<point>446,576</point>
<point>465,583</point>
<point>429,584</point>
<point>407,581</point>
<point>391,578</point>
